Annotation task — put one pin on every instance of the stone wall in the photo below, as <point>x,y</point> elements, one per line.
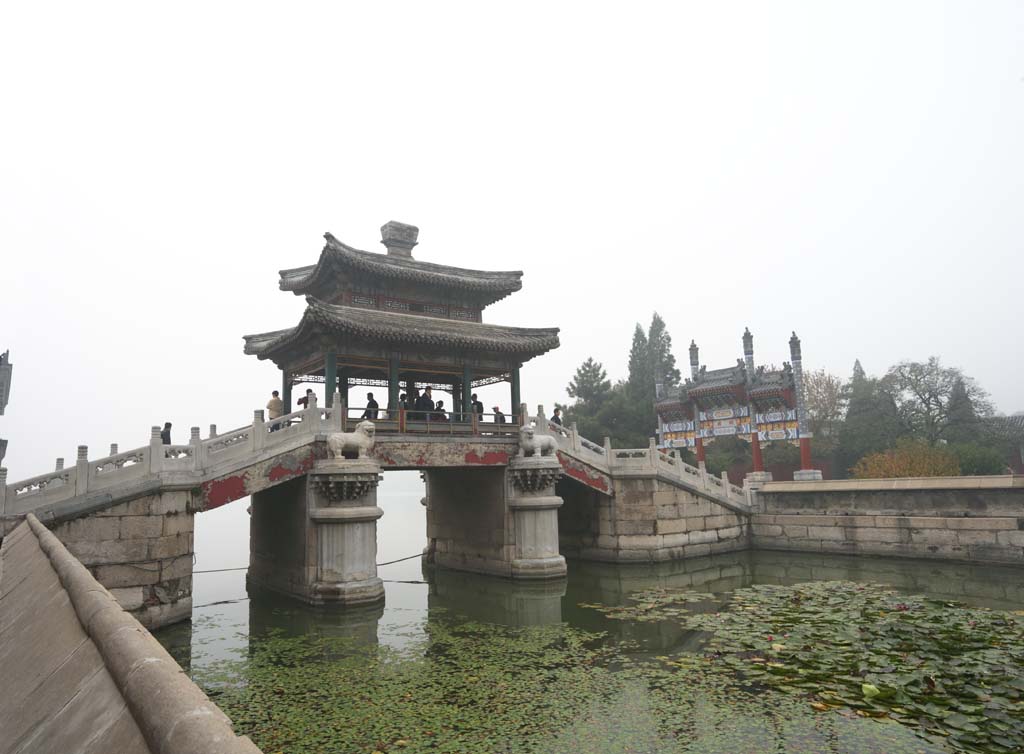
<point>141,551</point>
<point>955,519</point>
<point>282,540</point>
<point>648,519</point>
<point>80,674</point>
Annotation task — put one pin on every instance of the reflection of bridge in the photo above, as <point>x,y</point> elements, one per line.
<point>129,515</point>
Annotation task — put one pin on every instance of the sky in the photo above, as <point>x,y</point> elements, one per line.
<point>852,171</point>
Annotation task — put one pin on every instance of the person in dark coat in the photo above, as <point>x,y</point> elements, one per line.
<point>425,405</point>
<point>499,418</point>
<point>556,418</point>
<point>371,408</point>
<point>478,406</point>
<point>439,414</point>
<point>165,435</point>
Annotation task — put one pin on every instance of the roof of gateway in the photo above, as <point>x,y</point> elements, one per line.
<point>393,327</point>
<point>337,256</point>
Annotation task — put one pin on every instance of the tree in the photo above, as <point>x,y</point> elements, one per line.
<point>964,425</point>
<point>825,401</point>
<point>590,385</point>
<point>978,460</point>
<point>910,458</point>
<point>640,376</point>
<point>923,393</point>
<point>659,353</point>
<point>872,420</point>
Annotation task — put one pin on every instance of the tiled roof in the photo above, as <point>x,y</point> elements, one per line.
<point>337,257</point>
<point>408,329</point>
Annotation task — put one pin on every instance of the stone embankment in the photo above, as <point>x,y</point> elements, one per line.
<point>974,519</point>
<point>80,674</point>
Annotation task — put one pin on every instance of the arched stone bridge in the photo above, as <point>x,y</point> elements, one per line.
<point>129,516</point>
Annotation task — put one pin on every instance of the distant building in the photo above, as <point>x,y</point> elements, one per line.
<point>753,403</point>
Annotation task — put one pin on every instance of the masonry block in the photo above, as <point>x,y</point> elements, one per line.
<point>90,528</point>
<point>109,551</point>
<point>730,532</point>
<point>129,598</point>
<point>1012,538</point>
<point>933,536</point>
<point>766,530</point>
<point>176,568</point>
<point>635,527</point>
<point>117,576</point>
<point>795,532</point>
<point>830,533</point>
<point>181,523</point>
<point>634,542</point>
<point>141,527</point>
<point>170,547</point>
<point>673,526</point>
<point>700,537</point>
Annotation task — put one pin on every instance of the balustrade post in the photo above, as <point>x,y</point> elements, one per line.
<point>197,449</point>
<point>338,414</point>
<point>725,483</point>
<point>3,490</point>
<point>213,431</point>
<point>574,436</point>
<point>82,470</point>
<point>542,418</point>
<point>312,417</point>
<point>652,452</point>
<point>113,448</point>
<point>59,466</point>
<point>523,418</point>
<point>156,451</point>
<point>259,434</point>
<point>607,442</point>
<point>401,419</point>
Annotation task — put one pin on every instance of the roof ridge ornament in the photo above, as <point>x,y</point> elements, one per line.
<point>399,238</point>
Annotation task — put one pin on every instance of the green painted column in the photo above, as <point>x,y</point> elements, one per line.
<point>286,391</point>
<point>393,387</point>
<point>516,397</point>
<point>467,389</point>
<point>330,376</point>
<point>343,384</point>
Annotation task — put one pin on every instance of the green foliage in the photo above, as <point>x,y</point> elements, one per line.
<point>624,412</point>
<point>936,402</point>
<point>590,385</point>
<point>724,453</point>
<point>978,460</point>
<point>953,674</point>
<point>872,422</point>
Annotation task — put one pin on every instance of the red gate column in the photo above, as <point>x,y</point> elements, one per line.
<point>755,446</point>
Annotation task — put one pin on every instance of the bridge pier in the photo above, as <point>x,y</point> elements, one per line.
<point>497,521</point>
<point>316,538</point>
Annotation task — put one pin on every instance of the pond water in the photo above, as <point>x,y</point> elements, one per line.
<point>462,663</point>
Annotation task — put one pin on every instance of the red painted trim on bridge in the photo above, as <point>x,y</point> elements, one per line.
<point>595,481</point>
<point>218,492</point>
<point>490,458</point>
<point>285,471</point>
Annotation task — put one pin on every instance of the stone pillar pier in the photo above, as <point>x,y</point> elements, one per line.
<point>315,538</point>
<point>344,512</point>
<point>534,507</point>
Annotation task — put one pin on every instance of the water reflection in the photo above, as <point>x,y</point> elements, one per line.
<point>492,600</point>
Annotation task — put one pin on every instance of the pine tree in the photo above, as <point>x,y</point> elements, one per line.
<point>590,385</point>
<point>659,350</point>
<point>640,376</point>
<point>962,423</point>
<point>872,421</point>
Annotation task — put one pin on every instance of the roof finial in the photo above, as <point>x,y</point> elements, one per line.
<point>399,238</point>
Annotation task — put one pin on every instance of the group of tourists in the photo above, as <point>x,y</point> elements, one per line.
<point>418,407</point>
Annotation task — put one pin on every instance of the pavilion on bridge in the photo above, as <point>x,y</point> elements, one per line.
<point>394,322</point>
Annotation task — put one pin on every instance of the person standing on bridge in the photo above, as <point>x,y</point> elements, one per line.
<point>425,404</point>
<point>371,408</point>
<point>499,418</point>
<point>556,418</point>
<point>165,436</point>
<point>275,410</point>
<point>478,405</point>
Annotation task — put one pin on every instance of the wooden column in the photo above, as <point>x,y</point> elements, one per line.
<point>699,448</point>
<point>393,387</point>
<point>516,398</point>
<point>330,376</point>
<point>343,384</point>
<point>467,389</point>
<point>755,446</point>
<point>805,453</point>
<point>286,390</point>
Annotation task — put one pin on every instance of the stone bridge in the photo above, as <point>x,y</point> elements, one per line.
<point>129,516</point>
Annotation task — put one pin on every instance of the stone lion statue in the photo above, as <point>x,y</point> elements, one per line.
<point>359,441</point>
<point>530,443</point>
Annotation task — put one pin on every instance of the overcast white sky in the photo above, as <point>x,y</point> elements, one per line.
<point>852,171</point>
